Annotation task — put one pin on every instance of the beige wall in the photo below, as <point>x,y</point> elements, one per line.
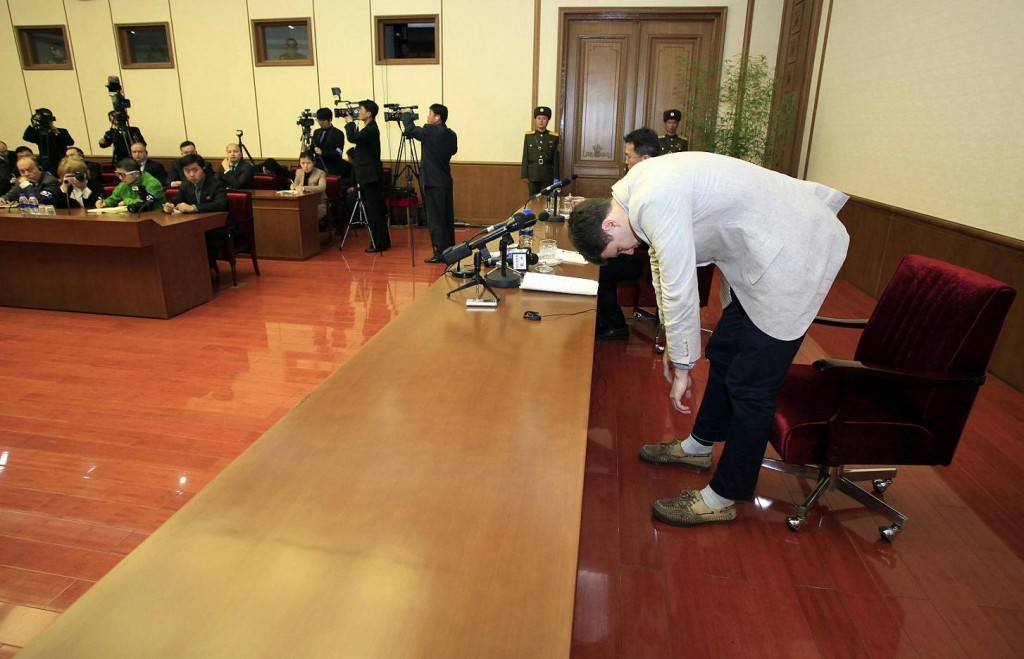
<point>920,109</point>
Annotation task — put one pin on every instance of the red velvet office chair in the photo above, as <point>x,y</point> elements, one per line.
<point>408,203</point>
<point>171,193</point>
<point>639,294</point>
<point>241,235</point>
<point>109,178</point>
<point>905,398</point>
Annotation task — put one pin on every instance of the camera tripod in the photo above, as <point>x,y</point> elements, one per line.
<point>357,218</point>
<point>245,149</point>
<point>411,168</point>
<point>305,140</point>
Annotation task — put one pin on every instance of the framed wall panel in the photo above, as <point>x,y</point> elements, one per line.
<point>283,42</point>
<point>145,46</point>
<point>44,47</point>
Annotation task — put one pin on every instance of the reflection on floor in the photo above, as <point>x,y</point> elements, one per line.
<point>108,425</point>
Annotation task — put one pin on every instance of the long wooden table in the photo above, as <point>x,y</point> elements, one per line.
<point>151,265</point>
<point>424,501</point>
<point>286,226</point>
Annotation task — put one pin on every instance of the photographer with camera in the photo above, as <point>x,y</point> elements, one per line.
<point>32,180</point>
<point>328,143</point>
<point>369,171</point>
<point>76,190</point>
<point>51,140</point>
<point>440,143</point>
<point>136,188</point>
<point>120,135</point>
<point>95,175</point>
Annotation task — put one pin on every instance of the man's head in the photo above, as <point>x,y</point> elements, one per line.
<point>438,114</point>
<point>3,149</point>
<point>23,152</point>
<point>324,116</point>
<point>672,118</point>
<point>291,44</point>
<point>139,152</point>
<point>234,153</point>
<point>127,170</point>
<point>192,167</point>
<point>29,168</point>
<point>600,230</point>
<point>368,110</point>
<point>74,152</point>
<point>641,144</point>
<point>541,117</point>
<point>187,147</point>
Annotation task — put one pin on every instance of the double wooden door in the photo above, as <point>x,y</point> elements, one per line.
<point>621,71</point>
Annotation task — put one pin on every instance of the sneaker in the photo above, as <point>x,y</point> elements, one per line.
<point>672,453</point>
<point>689,509</point>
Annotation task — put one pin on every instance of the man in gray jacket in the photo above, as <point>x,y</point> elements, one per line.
<point>778,244</point>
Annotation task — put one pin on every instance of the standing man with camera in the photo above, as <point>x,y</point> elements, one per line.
<point>328,143</point>
<point>51,140</point>
<point>369,172</point>
<point>440,143</point>
<point>120,135</point>
<point>540,152</point>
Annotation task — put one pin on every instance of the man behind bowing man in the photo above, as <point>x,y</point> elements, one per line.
<point>440,143</point>
<point>140,153</point>
<point>329,143</point>
<point>369,172</point>
<point>778,243</point>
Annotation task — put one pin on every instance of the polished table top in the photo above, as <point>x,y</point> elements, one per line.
<point>77,226</point>
<point>424,501</point>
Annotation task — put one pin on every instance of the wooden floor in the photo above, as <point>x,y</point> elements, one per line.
<point>108,425</point>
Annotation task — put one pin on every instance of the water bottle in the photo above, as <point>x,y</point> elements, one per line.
<point>526,233</point>
<point>23,202</point>
<point>551,206</point>
<point>33,204</point>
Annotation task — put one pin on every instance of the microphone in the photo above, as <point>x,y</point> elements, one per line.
<point>517,222</point>
<point>557,186</point>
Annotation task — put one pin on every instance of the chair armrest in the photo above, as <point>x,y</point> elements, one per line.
<point>850,323</point>
<point>854,370</point>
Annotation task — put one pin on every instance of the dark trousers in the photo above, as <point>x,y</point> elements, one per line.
<point>747,369</point>
<point>625,267</point>
<point>537,186</point>
<point>373,200</point>
<point>440,217</point>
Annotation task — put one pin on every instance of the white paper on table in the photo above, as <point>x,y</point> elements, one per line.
<point>535,281</point>
<point>571,257</point>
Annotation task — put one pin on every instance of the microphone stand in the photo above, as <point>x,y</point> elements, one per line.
<point>504,278</point>
<point>477,280</point>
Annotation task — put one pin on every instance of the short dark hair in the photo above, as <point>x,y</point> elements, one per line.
<point>644,141</point>
<point>370,107</point>
<point>190,159</point>
<point>128,165</point>
<point>585,230</point>
<point>186,143</point>
<point>324,113</point>
<point>308,154</point>
<point>77,150</point>
<point>440,111</point>
<point>22,149</point>
<point>142,142</point>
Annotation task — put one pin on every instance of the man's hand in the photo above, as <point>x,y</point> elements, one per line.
<point>682,387</point>
<point>99,203</point>
<point>175,184</point>
<point>224,164</point>
<point>317,150</point>
<point>168,207</point>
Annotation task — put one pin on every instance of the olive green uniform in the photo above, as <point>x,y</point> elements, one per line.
<point>540,159</point>
<point>672,144</point>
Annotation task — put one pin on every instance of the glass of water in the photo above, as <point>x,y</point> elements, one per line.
<point>548,255</point>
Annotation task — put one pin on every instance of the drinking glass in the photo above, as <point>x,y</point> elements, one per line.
<point>548,255</point>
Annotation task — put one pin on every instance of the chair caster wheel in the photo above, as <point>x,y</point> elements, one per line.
<point>889,533</point>
<point>794,522</point>
<point>881,484</point>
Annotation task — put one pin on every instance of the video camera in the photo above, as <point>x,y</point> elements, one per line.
<point>306,120</point>
<point>350,109</point>
<point>43,119</point>
<point>397,110</point>
<point>117,99</point>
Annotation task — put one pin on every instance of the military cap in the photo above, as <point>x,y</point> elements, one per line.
<point>542,110</point>
<point>672,114</point>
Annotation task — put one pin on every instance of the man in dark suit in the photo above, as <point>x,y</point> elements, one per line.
<point>235,172</point>
<point>328,143</point>
<point>32,180</point>
<point>52,141</point>
<point>440,143</point>
<point>369,172</point>
<point>121,137</point>
<point>6,169</point>
<point>140,154</point>
<point>175,177</point>
<point>200,193</point>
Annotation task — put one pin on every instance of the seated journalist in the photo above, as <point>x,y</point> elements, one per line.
<point>33,180</point>
<point>136,187</point>
<point>76,191</point>
<point>202,193</point>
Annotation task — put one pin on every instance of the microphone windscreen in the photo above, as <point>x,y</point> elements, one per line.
<point>543,217</point>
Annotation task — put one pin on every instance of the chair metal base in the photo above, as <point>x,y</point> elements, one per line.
<point>844,480</point>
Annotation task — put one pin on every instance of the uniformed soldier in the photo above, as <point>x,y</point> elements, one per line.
<point>670,142</point>
<point>540,152</point>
